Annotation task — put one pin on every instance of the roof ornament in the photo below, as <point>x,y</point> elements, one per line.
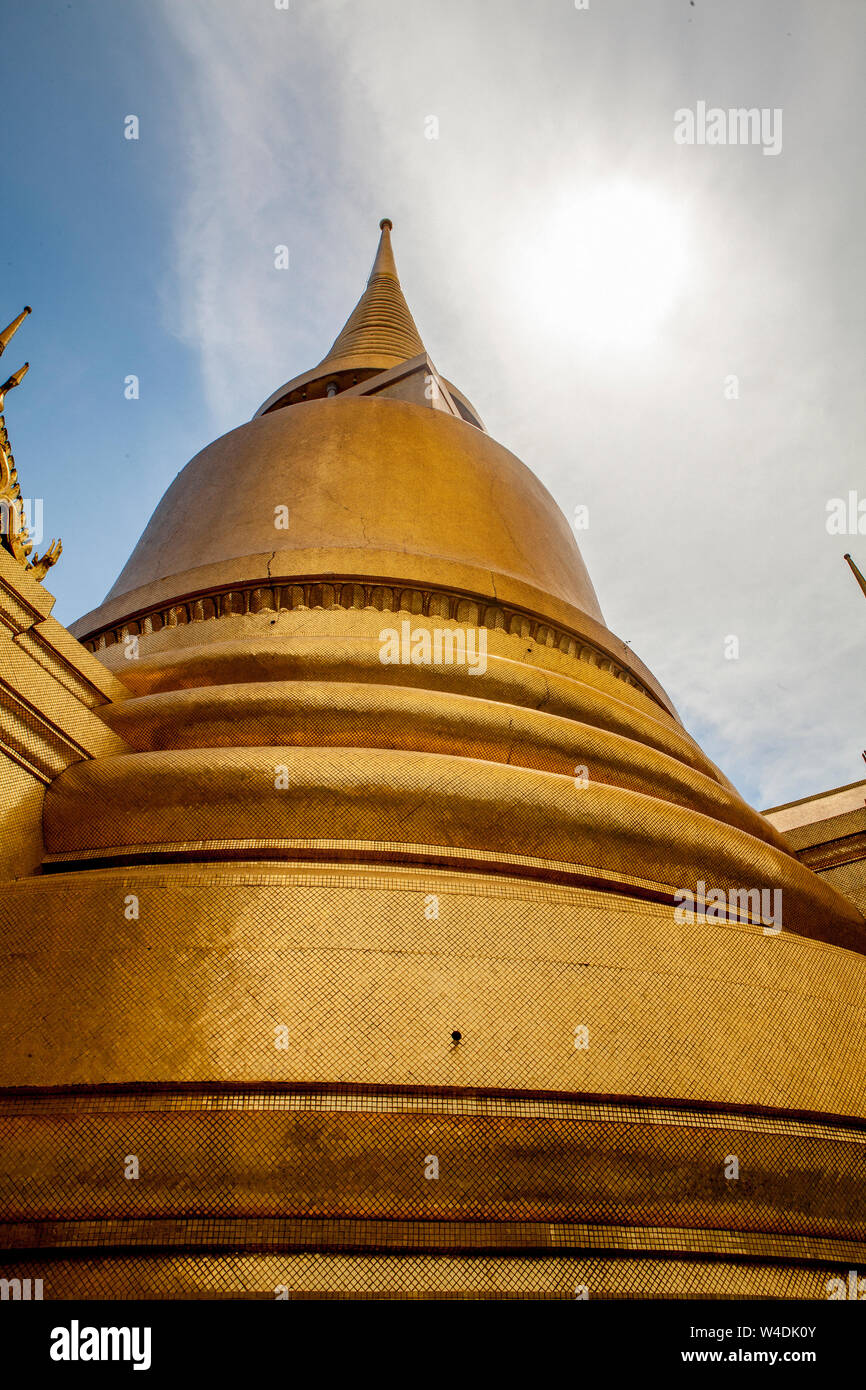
<point>380,329</point>
<point>856,573</point>
<point>14,535</point>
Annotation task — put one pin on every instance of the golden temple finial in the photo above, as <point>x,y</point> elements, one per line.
<point>14,535</point>
<point>12,328</point>
<point>384,264</point>
<point>857,575</point>
<point>380,331</point>
<point>11,381</point>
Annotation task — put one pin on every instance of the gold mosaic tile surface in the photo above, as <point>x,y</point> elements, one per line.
<point>370,988</point>
<point>426,1165</point>
<point>324,1274</point>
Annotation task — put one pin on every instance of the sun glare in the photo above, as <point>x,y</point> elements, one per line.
<point>613,266</point>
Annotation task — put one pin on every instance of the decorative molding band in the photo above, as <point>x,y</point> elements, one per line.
<point>335,1169</point>
<point>249,1234</point>
<point>832,854</point>
<point>113,1097</point>
<point>332,591</point>
<point>449,858</point>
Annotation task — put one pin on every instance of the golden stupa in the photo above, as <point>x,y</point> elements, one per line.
<point>344,860</point>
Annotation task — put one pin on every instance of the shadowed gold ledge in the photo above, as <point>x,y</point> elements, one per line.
<point>328,1235</point>
<point>286,1160</point>
<point>394,1098</point>
<point>297,855</point>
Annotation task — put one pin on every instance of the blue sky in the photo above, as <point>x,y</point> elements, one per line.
<point>589,284</point>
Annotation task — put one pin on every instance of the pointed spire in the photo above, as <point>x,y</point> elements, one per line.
<point>857,575</point>
<point>380,331</point>
<point>12,329</point>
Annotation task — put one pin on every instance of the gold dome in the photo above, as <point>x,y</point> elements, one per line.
<point>452,892</point>
<point>443,498</point>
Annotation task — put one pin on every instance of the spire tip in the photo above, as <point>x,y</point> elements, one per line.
<point>386,222</point>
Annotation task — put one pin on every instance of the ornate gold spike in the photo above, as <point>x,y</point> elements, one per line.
<point>13,531</point>
<point>857,575</point>
<point>380,328</point>
<point>12,381</point>
<point>12,329</point>
<point>14,535</point>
